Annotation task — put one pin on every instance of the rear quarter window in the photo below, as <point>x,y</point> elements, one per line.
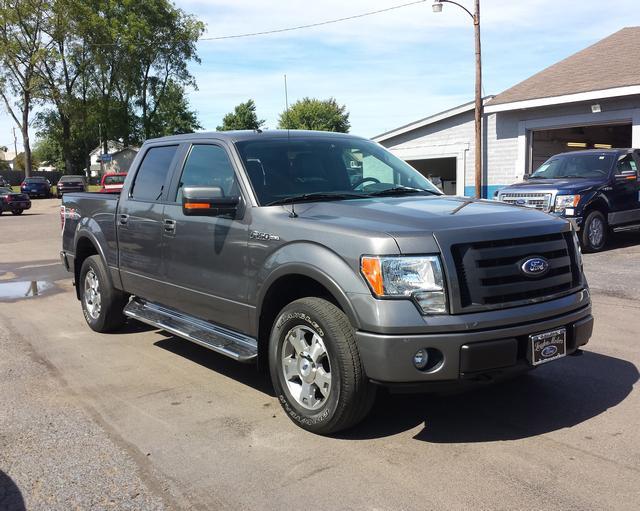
<point>151,176</point>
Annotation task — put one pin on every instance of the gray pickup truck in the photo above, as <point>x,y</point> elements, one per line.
<point>331,262</point>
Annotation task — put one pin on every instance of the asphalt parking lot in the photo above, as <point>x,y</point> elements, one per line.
<point>144,420</point>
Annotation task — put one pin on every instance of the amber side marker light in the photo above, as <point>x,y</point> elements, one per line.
<point>197,205</point>
<point>370,268</point>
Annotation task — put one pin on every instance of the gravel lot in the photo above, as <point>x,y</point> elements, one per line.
<point>143,420</point>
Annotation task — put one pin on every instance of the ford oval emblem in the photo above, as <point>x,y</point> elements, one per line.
<point>535,266</point>
<point>521,202</point>
<point>549,351</point>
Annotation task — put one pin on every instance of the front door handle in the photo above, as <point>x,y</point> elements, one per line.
<point>124,219</point>
<point>169,226</point>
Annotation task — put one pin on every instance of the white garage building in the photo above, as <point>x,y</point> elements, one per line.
<point>588,100</point>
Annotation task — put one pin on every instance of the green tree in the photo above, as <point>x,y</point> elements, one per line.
<point>172,115</point>
<point>21,162</point>
<point>22,47</point>
<point>243,117</point>
<point>316,114</point>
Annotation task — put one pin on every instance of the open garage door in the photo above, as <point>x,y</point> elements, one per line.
<point>440,171</point>
<point>546,143</point>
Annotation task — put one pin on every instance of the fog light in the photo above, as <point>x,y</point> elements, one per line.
<point>421,359</point>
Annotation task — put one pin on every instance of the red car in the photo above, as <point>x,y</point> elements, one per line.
<point>112,182</point>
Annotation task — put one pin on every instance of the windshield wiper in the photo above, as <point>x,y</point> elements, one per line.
<point>316,196</point>
<point>571,176</point>
<point>399,190</point>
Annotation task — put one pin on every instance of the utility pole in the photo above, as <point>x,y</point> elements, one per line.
<point>475,16</point>
<point>478,106</point>
<point>100,151</point>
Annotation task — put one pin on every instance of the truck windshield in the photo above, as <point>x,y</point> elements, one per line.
<point>591,165</point>
<point>302,168</point>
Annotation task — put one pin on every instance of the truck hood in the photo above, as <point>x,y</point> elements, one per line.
<point>419,223</point>
<point>566,185</point>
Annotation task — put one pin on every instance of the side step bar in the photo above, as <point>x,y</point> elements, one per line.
<point>232,344</point>
<point>624,228</point>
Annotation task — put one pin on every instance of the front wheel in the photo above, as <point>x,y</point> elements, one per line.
<point>594,232</point>
<point>16,211</point>
<point>102,304</point>
<point>316,368</point>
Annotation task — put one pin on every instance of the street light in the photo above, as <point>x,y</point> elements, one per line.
<point>475,16</point>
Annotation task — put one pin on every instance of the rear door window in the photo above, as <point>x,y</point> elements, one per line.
<point>151,177</point>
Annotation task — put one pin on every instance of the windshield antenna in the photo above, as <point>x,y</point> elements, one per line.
<point>292,214</point>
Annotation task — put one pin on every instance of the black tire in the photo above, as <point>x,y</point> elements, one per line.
<point>16,211</point>
<point>108,316</point>
<point>593,236</point>
<point>350,394</point>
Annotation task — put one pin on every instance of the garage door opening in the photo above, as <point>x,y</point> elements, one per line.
<point>546,143</point>
<point>440,171</point>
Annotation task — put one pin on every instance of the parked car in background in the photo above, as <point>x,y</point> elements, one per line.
<point>112,182</point>
<point>12,201</point>
<point>597,190</point>
<point>36,187</point>
<point>265,246</point>
<point>68,184</point>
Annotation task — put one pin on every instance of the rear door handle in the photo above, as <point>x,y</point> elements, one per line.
<point>124,219</point>
<point>169,226</point>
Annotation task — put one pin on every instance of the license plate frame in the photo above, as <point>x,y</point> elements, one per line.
<point>547,346</point>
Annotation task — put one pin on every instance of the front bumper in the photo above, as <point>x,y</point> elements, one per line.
<point>465,354</point>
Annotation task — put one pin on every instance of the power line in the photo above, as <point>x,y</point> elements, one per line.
<point>311,25</point>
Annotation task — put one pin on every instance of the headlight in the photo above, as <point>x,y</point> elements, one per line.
<point>418,278</point>
<point>566,201</point>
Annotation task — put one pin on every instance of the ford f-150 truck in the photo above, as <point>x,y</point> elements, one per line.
<point>330,261</point>
<point>598,190</point>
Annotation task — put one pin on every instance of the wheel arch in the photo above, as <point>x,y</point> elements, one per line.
<point>87,245</point>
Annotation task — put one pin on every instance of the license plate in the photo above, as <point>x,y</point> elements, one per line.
<point>548,346</point>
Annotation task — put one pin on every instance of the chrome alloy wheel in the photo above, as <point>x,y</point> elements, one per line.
<point>306,367</point>
<point>92,297</point>
<point>596,232</point>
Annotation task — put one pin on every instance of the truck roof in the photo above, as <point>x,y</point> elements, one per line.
<point>242,135</point>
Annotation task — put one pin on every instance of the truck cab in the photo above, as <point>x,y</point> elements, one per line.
<point>597,190</point>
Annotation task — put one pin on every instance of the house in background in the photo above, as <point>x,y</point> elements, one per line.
<point>7,157</point>
<point>588,100</point>
<point>119,160</point>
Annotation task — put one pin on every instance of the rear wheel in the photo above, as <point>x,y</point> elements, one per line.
<point>316,368</point>
<point>102,304</point>
<point>16,211</point>
<point>594,232</point>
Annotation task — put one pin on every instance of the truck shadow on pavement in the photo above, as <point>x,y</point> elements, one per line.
<point>560,395</point>
<point>246,374</point>
<point>10,495</point>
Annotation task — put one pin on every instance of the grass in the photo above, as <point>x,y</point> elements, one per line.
<point>92,188</point>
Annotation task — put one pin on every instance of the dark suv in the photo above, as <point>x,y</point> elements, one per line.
<point>598,190</point>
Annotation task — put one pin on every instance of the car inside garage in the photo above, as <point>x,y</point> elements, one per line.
<point>440,171</point>
<point>546,143</point>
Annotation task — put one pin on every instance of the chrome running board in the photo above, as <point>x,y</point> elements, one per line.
<point>232,344</point>
<point>624,228</point>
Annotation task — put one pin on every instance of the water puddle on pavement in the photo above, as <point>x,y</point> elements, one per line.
<point>11,291</point>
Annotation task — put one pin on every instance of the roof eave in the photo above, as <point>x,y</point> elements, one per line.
<point>628,90</point>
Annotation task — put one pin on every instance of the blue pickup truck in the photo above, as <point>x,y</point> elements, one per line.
<point>597,190</point>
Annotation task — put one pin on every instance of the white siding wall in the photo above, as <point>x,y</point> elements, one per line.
<point>505,138</point>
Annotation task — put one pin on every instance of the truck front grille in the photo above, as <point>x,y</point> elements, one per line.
<point>541,201</point>
<point>490,275</point>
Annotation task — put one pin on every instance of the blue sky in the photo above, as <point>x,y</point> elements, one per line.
<point>388,69</point>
